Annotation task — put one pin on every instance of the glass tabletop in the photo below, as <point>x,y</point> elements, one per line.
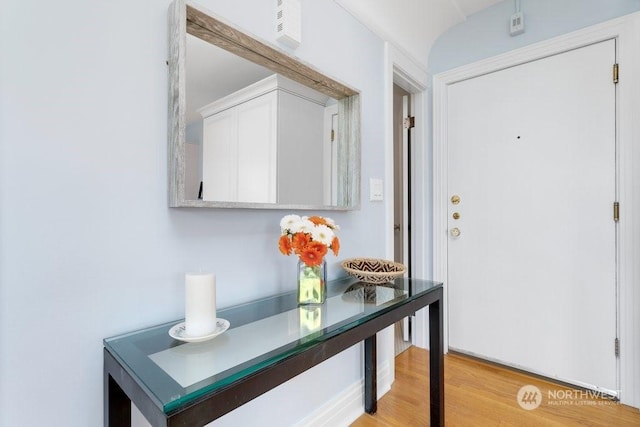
<point>261,333</point>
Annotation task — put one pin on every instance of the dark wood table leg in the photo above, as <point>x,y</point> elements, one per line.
<point>370,375</point>
<point>117,406</point>
<point>436,363</point>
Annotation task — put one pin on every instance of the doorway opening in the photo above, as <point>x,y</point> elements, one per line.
<point>409,74</point>
<point>402,200</point>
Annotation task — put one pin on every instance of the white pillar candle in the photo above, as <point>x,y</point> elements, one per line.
<point>200,304</point>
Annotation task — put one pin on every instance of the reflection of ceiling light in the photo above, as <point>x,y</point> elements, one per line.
<point>288,23</point>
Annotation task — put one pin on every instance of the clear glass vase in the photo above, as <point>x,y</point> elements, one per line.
<point>312,283</point>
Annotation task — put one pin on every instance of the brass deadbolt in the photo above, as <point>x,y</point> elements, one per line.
<point>455,199</point>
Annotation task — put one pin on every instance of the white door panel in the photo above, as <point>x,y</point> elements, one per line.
<point>532,276</point>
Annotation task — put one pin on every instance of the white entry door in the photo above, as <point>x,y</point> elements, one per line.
<point>532,253</point>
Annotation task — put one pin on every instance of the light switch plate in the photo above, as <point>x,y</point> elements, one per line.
<point>375,190</point>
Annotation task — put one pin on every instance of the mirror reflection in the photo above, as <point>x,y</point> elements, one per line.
<point>253,127</point>
<point>255,136</point>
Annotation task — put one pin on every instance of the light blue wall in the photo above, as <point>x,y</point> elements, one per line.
<point>88,246</point>
<point>486,33</point>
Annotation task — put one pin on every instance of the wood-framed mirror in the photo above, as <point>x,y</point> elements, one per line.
<point>250,146</point>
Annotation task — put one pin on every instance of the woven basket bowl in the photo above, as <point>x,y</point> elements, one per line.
<point>372,270</point>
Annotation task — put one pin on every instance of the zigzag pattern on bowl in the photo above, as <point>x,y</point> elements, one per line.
<point>373,270</point>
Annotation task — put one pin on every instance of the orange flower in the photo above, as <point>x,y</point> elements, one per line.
<point>313,253</point>
<point>318,220</point>
<point>285,245</point>
<point>335,245</point>
<point>312,239</point>
<point>300,241</point>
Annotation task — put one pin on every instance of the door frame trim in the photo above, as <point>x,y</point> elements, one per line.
<point>401,68</point>
<point>626,31</point>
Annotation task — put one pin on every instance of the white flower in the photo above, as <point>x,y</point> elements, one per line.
<point>302,226</point>
<point>331,223</point>
<point>323,234</point>
<point>288,222</point>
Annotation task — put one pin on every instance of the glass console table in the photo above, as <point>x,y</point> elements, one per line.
<point>269,342</point>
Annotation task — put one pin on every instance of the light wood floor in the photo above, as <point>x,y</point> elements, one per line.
<point>483,394</point>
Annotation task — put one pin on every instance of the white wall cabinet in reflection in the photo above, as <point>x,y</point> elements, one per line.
<point>264,144</point>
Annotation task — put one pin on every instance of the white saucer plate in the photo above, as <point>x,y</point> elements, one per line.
<point>179,332</point>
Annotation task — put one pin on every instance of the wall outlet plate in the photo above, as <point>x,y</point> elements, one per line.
<point>516,24</point>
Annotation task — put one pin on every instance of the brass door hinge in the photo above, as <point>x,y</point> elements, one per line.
<point>333,135</point>
<point>616,211</point>
<point>616,71</point>
<point>409,122</point>
<point>617,347</point>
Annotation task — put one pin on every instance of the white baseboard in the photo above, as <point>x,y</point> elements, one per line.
<point>345,408</point>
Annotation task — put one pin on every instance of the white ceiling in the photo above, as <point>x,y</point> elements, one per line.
<point>469,7</point>
<point>413,25</point>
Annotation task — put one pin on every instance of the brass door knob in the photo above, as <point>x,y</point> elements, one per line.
<point>455,199</point>
<point>455,232</point>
